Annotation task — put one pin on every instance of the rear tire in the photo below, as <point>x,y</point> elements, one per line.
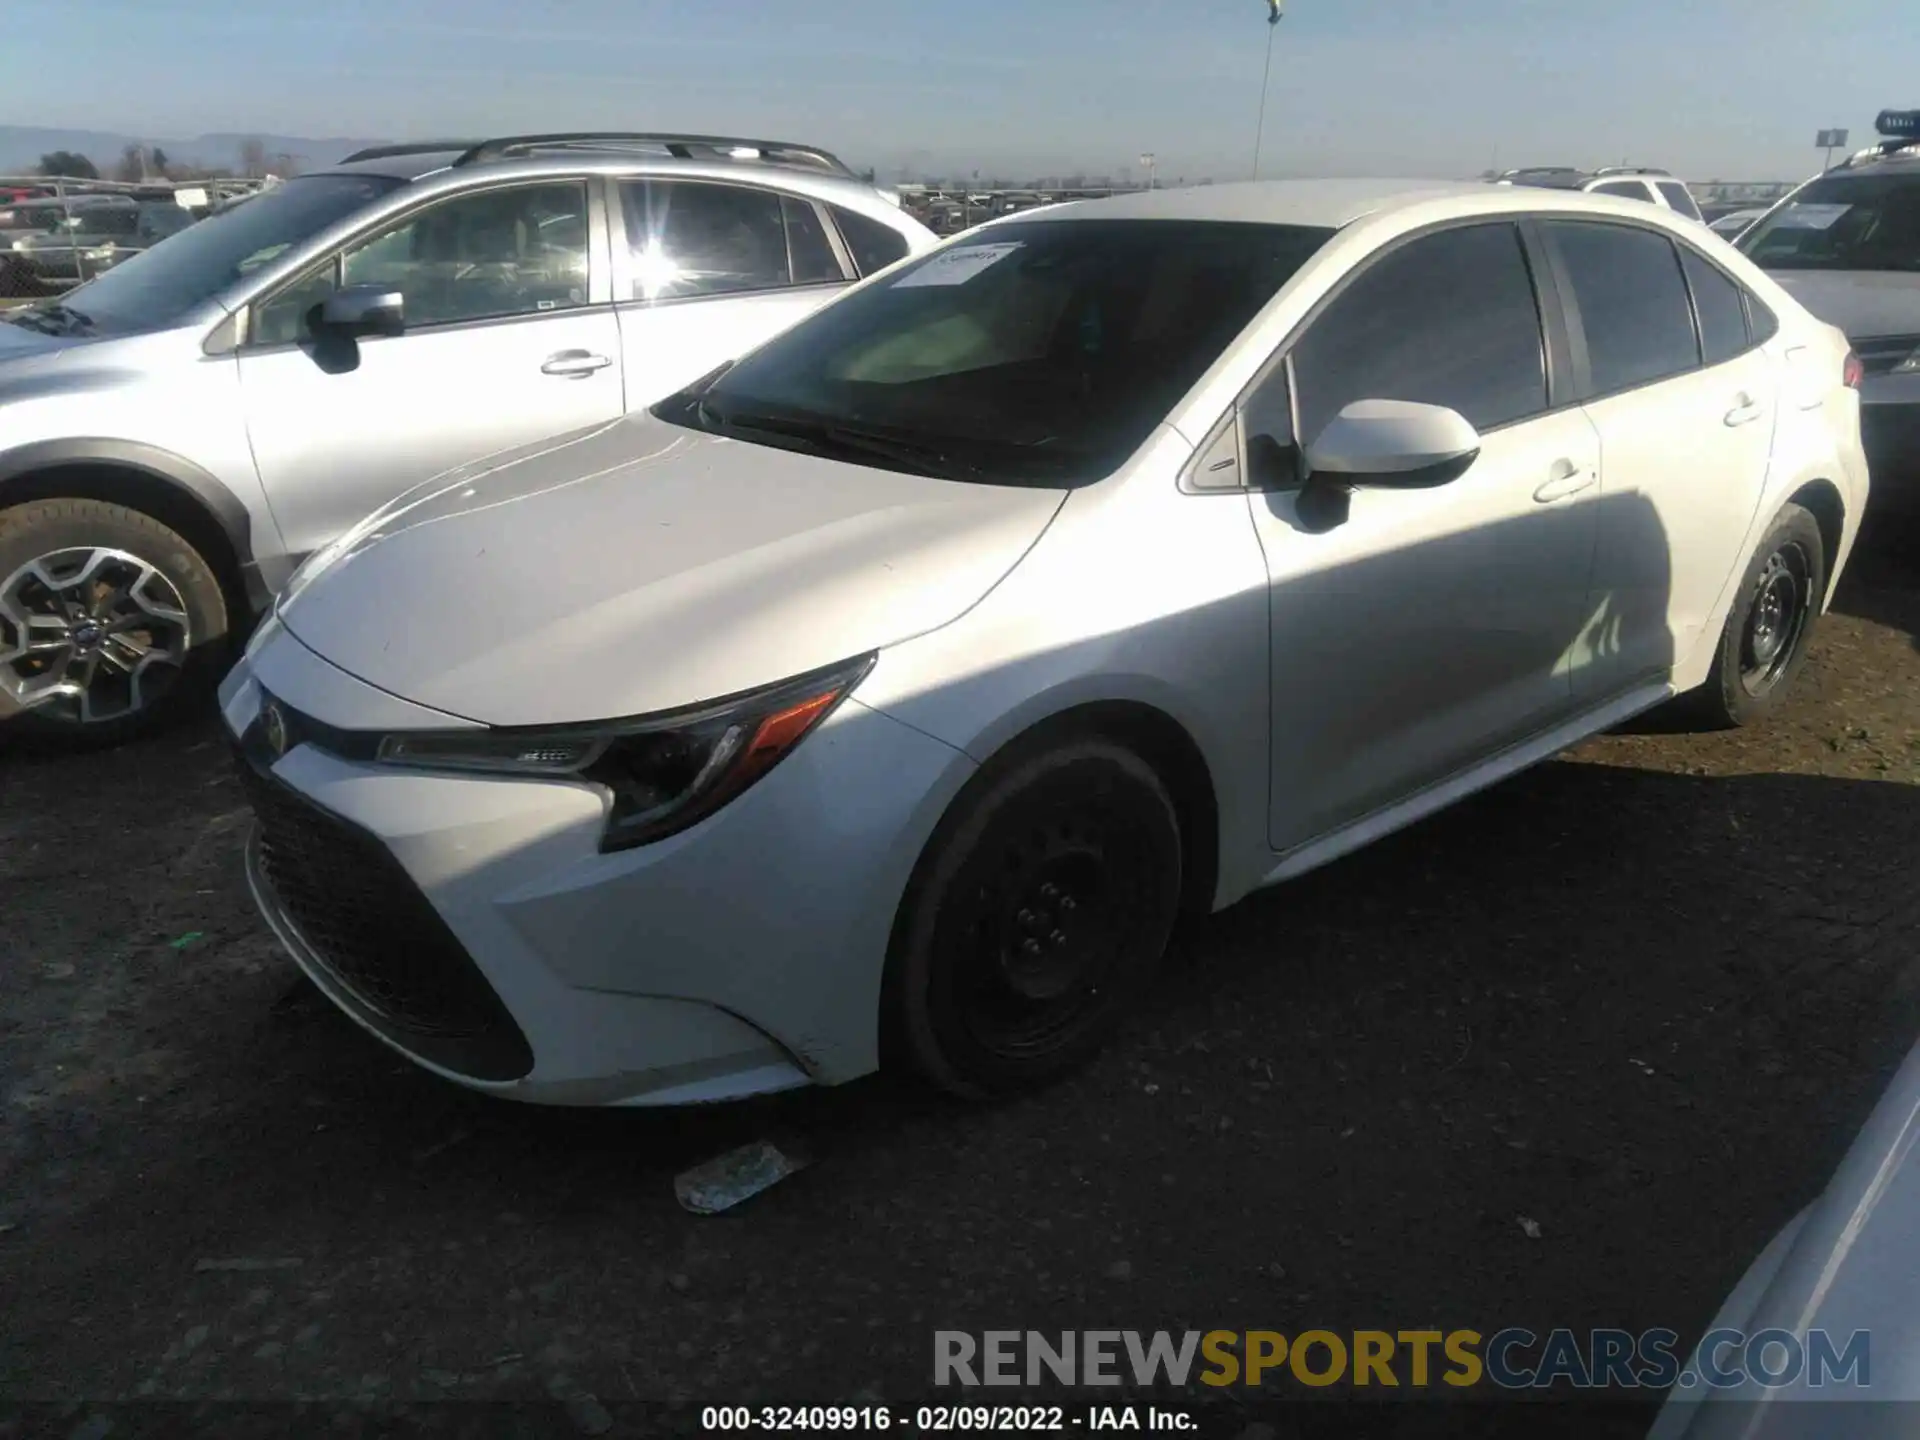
<point>1038,911</point>
<point>1768,626</point>
<point>111,625</point>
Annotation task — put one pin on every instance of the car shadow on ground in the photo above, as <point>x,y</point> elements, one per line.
<point>1642,1011</point>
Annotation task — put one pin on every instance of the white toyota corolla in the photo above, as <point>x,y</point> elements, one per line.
<point>891,693</point>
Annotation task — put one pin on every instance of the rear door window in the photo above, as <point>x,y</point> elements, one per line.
<point>1718,303</point>
<point>808,250</point>
<point>691,239</point>
<point>1448,319</point>
<point>1632,301</point>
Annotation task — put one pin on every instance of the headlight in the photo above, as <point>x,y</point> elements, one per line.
<point>101,252</point>
<point>1909,366</point>
<point>663,772</point>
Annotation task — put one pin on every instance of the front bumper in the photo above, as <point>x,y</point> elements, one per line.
<point>508,954</point>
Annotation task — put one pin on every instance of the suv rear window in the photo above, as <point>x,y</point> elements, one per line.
<point>1678,197</point>
<point>874,246</point>
<point>1843,222</point>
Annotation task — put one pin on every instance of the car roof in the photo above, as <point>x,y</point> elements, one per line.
<point>1328,204</point>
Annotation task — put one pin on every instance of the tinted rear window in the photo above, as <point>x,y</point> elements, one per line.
<point>1679,198</point>
<point>1633,303</point>
<point>1043,352</point>
<point>1717,301</point>
<point>874,246</point>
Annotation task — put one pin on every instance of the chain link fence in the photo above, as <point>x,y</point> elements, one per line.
<point>59,231</point>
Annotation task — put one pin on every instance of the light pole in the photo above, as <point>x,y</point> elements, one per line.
<point>1274,8</point>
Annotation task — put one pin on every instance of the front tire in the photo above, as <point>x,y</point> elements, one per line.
<point>111,624</point>
<point>1039,910</point>
<point>1769,625</point>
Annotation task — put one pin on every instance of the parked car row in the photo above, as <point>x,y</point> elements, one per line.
<point>52,242</point>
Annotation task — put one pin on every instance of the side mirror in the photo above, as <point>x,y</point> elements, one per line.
<point>1394,444</point>
<point>357,310</point>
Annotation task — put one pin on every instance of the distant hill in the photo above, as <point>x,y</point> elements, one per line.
<point>21,147</point>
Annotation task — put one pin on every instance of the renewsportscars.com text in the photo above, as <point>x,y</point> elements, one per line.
<point>1510,1359</point>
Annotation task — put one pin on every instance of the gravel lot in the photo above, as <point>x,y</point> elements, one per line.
<point>1641,996</point>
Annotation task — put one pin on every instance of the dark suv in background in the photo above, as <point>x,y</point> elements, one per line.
<point>1847,244</point>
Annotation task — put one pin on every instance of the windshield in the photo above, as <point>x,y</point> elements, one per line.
<point>159,285</point>
<point>1043,352</point>
<point>1843,222</point>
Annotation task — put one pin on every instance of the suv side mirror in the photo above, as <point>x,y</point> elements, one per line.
<point>357,310</point>
<point>1394,444</point>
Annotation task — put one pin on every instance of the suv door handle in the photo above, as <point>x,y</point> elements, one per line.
<point>1567,479</point>
<point>1744,413</point>
<point>574,364</point>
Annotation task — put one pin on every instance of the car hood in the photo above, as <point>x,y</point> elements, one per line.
<point>1843,1266</point>
<point>1863,303</point>
<point>639,567</point>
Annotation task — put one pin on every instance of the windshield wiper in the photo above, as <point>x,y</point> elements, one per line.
<point>51,319</point>
<point>826,437</point>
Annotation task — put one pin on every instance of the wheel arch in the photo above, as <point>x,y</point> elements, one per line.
<point>171,489</point>
<point>1822,499</point>
<point>1169,747</point>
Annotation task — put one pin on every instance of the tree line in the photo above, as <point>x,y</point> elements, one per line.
<point>151,162</point>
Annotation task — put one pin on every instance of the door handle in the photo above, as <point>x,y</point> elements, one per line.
<point>1745,412</point>
<point>575,364</point>
<point>1567,479</point>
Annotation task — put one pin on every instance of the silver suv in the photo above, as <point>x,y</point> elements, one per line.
<point>176,435</point>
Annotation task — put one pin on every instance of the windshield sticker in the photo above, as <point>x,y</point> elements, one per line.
<point>956,267</point>
<point>1810,217</point>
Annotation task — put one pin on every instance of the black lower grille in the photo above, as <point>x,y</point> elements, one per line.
<point>367,923</point>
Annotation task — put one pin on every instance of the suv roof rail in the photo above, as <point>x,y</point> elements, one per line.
<point>1884,150</point>
<point>680,147</point>
<point>1538,170</point>
<point>1632,170</point>
<point>415,147</point>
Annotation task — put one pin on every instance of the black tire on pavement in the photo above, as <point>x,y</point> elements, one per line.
<point>1040,908</point>
<point>126,572</point>
<point>1768,626</point>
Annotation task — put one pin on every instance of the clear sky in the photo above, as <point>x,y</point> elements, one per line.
<point>1710,88</point>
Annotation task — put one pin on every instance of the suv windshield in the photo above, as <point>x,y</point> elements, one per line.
<point>1042,352</point>
<point>1843,222</point>
<point>161,284</point>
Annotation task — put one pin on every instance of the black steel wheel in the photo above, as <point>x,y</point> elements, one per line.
<point>1769,624</point>
<point>1041,906</point>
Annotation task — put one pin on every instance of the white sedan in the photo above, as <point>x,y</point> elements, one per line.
<point>891,692</point>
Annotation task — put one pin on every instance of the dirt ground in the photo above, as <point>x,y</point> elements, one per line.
<point>1640,997</point>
